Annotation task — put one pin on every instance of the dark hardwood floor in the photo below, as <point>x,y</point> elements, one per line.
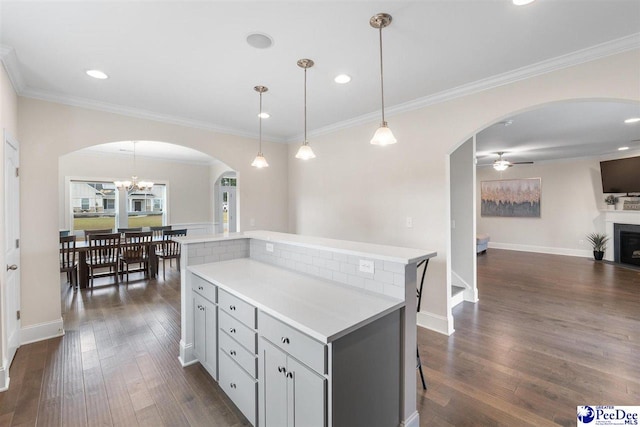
<point>549,333</point>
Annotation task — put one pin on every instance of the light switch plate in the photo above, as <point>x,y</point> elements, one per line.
<point>366,266</point>
<point>269,247</point>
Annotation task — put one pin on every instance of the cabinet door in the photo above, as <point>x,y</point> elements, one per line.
<point>307,396</point>
<point>199,328</point>
<point>204,333</point>
<point>273,387</point>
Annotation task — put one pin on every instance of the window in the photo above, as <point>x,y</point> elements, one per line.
<point>146,208</point>
<point>93,205</point>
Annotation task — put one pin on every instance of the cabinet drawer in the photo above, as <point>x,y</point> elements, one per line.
<point>204,288</point>
<point>236,307</point>
<point>238,331</point>
<point>241,355</point>
<point>304,348</point>
<point>239,386</point>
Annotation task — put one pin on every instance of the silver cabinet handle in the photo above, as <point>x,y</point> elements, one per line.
<point>232,330</point>
<point>12,267</point>
<point>285,340</point>
<point>289,375</point>
<point>282,369</point>
<point>200,288</point>
<point>233,352</point>
<point>232,385</point>
<point>232,307</point>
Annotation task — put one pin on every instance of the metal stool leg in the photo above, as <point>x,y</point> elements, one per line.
<point>424,384</point>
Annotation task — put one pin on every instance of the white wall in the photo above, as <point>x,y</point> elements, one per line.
<point>357,191</point>
<point>571,207</point>
<point>463,221</point>
<point>48,130</point>
<point>189,185</point>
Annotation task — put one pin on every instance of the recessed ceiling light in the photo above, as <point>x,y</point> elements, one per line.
<point>264,115</point>
<point>342,79</point>
<point>97,74</point>
<point>633,120</point>
<point>522,2</point>
<point>259,40</point>
<point>623,148</point>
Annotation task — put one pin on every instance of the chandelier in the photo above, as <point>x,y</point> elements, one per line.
<point>134,184</point>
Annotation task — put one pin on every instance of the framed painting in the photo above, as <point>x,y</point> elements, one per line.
<point>511,198</point>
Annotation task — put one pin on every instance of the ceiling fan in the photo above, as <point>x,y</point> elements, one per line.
<point>501,164</point>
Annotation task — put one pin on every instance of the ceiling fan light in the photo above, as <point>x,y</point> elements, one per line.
<point>501,165</point>
<point>383,136</point>
<point>260,162</point>
<point>305,153</point>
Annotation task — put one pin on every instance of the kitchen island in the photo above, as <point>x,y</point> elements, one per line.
<point>314,331</point>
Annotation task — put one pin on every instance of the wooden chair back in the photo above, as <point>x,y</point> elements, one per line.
<point>135,247</point>
<point>129,230</point>
<point>158,230</point>
<point>171,248</point>
<point>67,253</point>
<point>88,233</point>
<point>103,249</point>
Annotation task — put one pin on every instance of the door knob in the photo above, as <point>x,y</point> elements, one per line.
<point>12,267</point>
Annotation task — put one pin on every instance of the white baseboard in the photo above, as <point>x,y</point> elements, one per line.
<point>583,253</point>
<point>41,331</point>
<point>186,357</point>
<point>457,299</point>
<point>435,322</point>
<point>412,421</point>
<point>4,376</point>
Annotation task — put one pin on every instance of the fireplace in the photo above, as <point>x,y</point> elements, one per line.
<point>626,244</point>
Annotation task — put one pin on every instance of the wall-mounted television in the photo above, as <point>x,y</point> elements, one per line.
<point>621,175</point>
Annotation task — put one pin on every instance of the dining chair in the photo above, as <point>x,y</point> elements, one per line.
<point>135,250</point>
<point>103,252</point>
<point>158,230</point>
<point>169,249</point>
<point>88,233</point>
<point>64,233</point>
<point>68,262</point>
<point>419,294</point>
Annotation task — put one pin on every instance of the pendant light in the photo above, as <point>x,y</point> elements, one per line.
<point>133,184</point>
<point>260,162</point>
<point>305,152</point>
<point>383,135</point>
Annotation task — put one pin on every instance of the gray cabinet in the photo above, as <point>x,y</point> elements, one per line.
<point>205,346</point>
<point>292,394</point>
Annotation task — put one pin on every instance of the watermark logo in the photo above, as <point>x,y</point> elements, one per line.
<point>593,415</point>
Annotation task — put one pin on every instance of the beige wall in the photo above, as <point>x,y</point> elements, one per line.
<point>48,130</point>
<point>189,186</point>
<point>357,191</point>
<point>571,207</point>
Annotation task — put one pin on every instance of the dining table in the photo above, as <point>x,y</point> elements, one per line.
<point>82,247</point>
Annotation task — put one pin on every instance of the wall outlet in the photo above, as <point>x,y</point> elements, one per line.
<point>409,222</point>
<point>366,266</point>
<point>269,247</point>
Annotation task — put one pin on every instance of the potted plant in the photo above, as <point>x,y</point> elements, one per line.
<point>611,201</point>
<point>599,243</point>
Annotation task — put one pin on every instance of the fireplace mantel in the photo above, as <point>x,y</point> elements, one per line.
<point>617,217</point>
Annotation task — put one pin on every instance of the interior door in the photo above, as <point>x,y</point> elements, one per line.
<point>11,318</point>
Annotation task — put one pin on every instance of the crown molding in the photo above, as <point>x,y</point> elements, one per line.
<point>10,61</point>
<point>139,113</point>
<point>592,53</point>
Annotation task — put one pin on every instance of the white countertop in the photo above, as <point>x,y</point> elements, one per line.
<point>322,309</point>
<point>368,250</point>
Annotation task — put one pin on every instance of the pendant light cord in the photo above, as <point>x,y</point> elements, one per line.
<point>260,127</point>
<point>305,106</point>
<point>381,78</point>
